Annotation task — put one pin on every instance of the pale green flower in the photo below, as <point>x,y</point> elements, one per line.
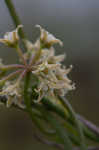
<point>52,75</point>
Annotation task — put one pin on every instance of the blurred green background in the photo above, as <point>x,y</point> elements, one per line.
<point>76,23</point>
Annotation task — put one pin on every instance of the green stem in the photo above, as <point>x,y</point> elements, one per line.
<point>26,96</point>
<point>54,107</point>
<point>77,122</point>
<point>49,117</point>
<point>27,101</point>
<point>39,124</point>
<point>60,131</point>
<point>21,56</point>
<point>15,17</point>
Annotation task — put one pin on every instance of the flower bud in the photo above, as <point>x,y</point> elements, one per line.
<point>47,39</point>
<point>11,38</point>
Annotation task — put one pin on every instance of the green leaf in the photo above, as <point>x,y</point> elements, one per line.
<point>58,127</point>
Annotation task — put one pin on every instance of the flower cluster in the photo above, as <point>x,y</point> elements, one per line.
<point>40,60</point>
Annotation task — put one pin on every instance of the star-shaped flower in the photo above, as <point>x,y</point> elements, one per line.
<point>40,60</point>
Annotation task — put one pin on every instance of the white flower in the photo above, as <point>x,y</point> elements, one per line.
<point>13,93</point>
<point>52,76</point>
<point>11,38</point>
<point>47,38</point>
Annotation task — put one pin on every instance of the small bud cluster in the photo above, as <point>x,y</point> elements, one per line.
<point>41,61</point>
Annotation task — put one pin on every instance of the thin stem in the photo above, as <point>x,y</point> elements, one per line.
<point>50,143</point>
<point>39,125</point>
<point>77,123</point>
<point>12,66</point>
<point>57,126</point>
<point>19,51</point>
<point>26,96</point>
<point>89,132</point>
<point>15,17</point>
<point>58,146</point>
<point>29,107</point>
<point>90,125</point>
<point>22,75</point>
<point>35,57</point>
<point>17,22</point>
<point>56,107</point>
<point>3,99</point>
<point>31,59</point>
<point>89,148</point>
